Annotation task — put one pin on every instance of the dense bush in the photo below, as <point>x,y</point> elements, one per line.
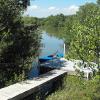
<point>19,43</point>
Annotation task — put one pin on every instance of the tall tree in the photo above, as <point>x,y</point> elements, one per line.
<point>85,44</point>
<point>98,1</point>
<point>19,44</point>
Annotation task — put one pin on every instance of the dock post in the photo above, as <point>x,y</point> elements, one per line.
<point>64,49</point>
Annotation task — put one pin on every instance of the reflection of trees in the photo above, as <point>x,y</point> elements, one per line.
<point>54,32</point>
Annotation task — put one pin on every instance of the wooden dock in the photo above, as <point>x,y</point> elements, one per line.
<point>26,88</point>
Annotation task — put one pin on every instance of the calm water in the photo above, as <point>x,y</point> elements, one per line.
<point>51,45</point>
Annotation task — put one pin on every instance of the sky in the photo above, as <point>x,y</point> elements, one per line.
<point>45,8</point>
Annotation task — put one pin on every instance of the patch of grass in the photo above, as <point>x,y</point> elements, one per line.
<point>76,88</point>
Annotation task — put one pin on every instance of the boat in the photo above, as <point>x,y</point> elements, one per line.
<point>44,59</point>
<point>50,57</point>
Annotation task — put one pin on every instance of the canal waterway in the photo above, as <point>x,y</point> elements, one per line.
<point>51,44</point>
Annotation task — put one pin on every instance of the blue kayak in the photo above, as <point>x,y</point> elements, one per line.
<point>50,57</point>
<point>44,59</point>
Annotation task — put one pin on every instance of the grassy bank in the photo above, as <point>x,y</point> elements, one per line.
<point>76,88</point>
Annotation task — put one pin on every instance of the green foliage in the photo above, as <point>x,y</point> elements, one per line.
<point>98,1</point>
<point>19,44</point>
<point>85,44</point>
<point>23,3</point>
<point>67,30</point>
<point>31,20</point>
<point>76,88</point>
<point>54,21</point>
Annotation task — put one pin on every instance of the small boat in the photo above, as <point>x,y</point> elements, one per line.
<point>50,57</point>
<point>44,59</point>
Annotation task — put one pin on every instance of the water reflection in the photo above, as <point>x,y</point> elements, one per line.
<point>51,44</point>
